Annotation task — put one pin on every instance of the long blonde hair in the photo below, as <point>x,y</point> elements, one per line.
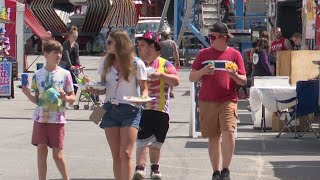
<point>124,53</point>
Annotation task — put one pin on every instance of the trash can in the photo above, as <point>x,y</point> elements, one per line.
<point>39,65</point>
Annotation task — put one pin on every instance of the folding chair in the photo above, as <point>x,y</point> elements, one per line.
<point>306,103</point>
<point>308,94</point>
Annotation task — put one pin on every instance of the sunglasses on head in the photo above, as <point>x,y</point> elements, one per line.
<point>213,37</point>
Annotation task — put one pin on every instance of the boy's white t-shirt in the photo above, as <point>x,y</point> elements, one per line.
<point>43,81</point>
<point>124,88</point>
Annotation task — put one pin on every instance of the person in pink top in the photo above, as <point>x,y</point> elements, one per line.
<point>154,122</point>
<point>218,97</point>
<point>53,87</point>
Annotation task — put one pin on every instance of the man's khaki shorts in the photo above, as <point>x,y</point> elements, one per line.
<point>216,117</point>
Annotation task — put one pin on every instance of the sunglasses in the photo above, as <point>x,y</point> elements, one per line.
<point>213,37</point>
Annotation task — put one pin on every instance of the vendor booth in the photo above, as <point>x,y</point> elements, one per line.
<point>13,18</point>
<point>7,62</point>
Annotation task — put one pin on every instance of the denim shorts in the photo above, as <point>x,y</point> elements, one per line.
<point>122,115</point>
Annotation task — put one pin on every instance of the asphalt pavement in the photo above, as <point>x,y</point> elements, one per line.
<point>258,155</point>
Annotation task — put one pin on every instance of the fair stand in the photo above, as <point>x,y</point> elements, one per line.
<point>6,61</point>
<point>256,98</point>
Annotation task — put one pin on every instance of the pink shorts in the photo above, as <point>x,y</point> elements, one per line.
<point>49,134</point>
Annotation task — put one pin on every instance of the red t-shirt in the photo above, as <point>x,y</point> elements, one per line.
<point>277,45</point>
<point>218,87</point>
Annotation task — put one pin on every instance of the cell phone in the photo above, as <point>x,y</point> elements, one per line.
<point>219,64</point>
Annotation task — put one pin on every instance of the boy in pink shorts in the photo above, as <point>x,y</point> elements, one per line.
<point>53,88</point>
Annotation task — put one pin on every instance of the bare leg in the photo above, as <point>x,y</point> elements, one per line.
<point>113,137</point>
<point>214,148</point>
<point>142,155</point>
<point>128,137</point>
<point>42,152</point>
<point>154,155</point>
<point>60,162</point>
<point>228,144</point>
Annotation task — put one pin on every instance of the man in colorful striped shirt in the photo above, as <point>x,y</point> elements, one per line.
<point>154,122</point>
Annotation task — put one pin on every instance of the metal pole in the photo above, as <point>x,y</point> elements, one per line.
<point>185,21</point>
<point>175,20</point>
<point>164,14</point>
<point>304,22</point>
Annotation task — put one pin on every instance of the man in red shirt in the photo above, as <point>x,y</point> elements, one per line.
<point>279,44</point>
<point>218,97</point>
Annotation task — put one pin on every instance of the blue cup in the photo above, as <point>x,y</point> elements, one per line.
<point>24,79</point>
<point>39,66</point>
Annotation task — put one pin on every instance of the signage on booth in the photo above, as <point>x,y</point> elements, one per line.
<point>5,78</point>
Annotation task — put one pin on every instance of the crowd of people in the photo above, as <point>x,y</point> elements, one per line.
<point>261,60</point>
<point>146,124</point>
<point>124,123</point>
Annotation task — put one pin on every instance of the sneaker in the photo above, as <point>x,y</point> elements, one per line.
<point>139,173</point>
<point>171,95</point>
<point>225,174</point>
<point>216,175</point>
<point>155,173</point>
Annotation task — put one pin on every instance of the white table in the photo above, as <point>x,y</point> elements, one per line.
<point>268,96</point>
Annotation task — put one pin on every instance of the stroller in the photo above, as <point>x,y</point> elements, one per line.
<point>91,101</point>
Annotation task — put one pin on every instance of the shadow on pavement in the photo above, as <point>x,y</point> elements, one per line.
<point>277,147</point>
<point>84,179</point>
<point>296,169</point>
<point>272,147</point>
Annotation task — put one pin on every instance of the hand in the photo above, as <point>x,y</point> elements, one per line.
<point>232,73</point>
<point>95,91</point>
<point>26,90</point>
<point>208,69</point>
<point>155,75</point>
<point>63,95</point>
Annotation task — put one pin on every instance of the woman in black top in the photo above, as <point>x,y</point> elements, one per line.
<point>70,55</point>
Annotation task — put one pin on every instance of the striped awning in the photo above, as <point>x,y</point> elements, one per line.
<point>35,25</point>
<point>45,13</point>
<point>96,15</point>
<point>124,14</point>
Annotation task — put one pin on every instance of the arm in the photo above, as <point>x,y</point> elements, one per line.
<point>239,79</point>
<point>33,98</point>
<point>77,55</point>
<point>197,75</point>
<point>239,76</point>
<point>66,55</point>
<point>69,97</point>
<point>251,58</point>
<point>95,91</point>
<point>176,55</point>
<point>143,88</point>
<point>287,44</point>
<point>170,79</point>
